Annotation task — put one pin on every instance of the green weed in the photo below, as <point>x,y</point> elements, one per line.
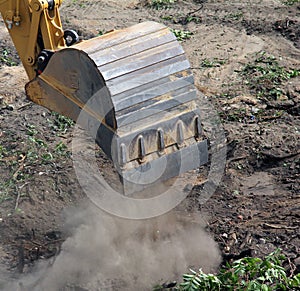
<point>190,18</point>
<point>61,149</point>
<point>235,16</point>
<point>6,59</point>
<point>211,63</point>
<point>182,34</point>
<point>32,136</point>
<point>81,5</point>
<point>250,273</point>
<point>3,152</point>
<point>161,4</point>
<point>182,19</point>
<point>168,17</point>
<point>60,123</point>
<point>265,76</point>
<point>238,115</point>
<point>39,142</point>
<point>31,130</point>
<point>47,157</point>
<point>290,2</point>
<point>33,155</point>
<point>259,274</point>
<point>5,188</point>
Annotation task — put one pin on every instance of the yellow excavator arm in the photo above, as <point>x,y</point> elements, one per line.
<point>34,26</point>
<point>136,83</point>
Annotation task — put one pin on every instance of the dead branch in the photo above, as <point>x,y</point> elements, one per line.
<point>278,226</point>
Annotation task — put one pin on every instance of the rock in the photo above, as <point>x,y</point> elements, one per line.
<point>226,249</point>
<point>224,235</point>
<point>10,107</point>
<point>254,109</point>
<point>262,240</point>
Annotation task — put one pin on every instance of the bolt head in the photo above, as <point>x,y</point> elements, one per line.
<point>36,7</point>
<point>41,59</point>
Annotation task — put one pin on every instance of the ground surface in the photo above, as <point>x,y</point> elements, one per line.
<point>245,59</point>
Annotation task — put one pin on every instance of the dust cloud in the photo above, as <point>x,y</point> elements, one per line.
<point>104,252</point>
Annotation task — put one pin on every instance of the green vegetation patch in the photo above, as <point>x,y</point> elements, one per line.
<point>182,19</point>
<point>235,16</point>
<point>290,2</point>
<point>265,76</point>
<point>60,123</point>
<point>182,34</point>
<point>22,159</point>
<point>5,58</point>
<point>251,274</point>
<point>212,63</point>
<point>161,4</point>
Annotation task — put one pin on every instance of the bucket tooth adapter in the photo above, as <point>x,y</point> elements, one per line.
<point>134,87</point>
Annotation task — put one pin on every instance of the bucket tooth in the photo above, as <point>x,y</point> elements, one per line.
<point>123,158</point>
<point>180,136</point>
<point>161,140</point>
<point>142,150</point>
<point>136,84</point>
<point>198,129</point>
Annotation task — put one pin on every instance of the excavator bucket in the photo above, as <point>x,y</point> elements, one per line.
<point>138,85</point>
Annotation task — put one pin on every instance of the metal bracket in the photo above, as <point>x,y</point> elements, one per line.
<point>49,23</point>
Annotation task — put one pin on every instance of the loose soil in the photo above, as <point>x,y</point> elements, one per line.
<point>256,207</point>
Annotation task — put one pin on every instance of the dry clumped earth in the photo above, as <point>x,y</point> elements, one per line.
<point>245,58</point>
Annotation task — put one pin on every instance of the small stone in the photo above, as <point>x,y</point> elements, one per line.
<point>233,235</point>
<point>240,217</point>
<point>10,107</point>
<point>262,240</point>
<point>254,110</point>
<point>224,235</point>
<point>267,146</point>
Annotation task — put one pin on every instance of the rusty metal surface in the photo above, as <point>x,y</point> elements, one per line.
<point>142,77</point>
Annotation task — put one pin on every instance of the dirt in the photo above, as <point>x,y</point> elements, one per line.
<point>256,207</point>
